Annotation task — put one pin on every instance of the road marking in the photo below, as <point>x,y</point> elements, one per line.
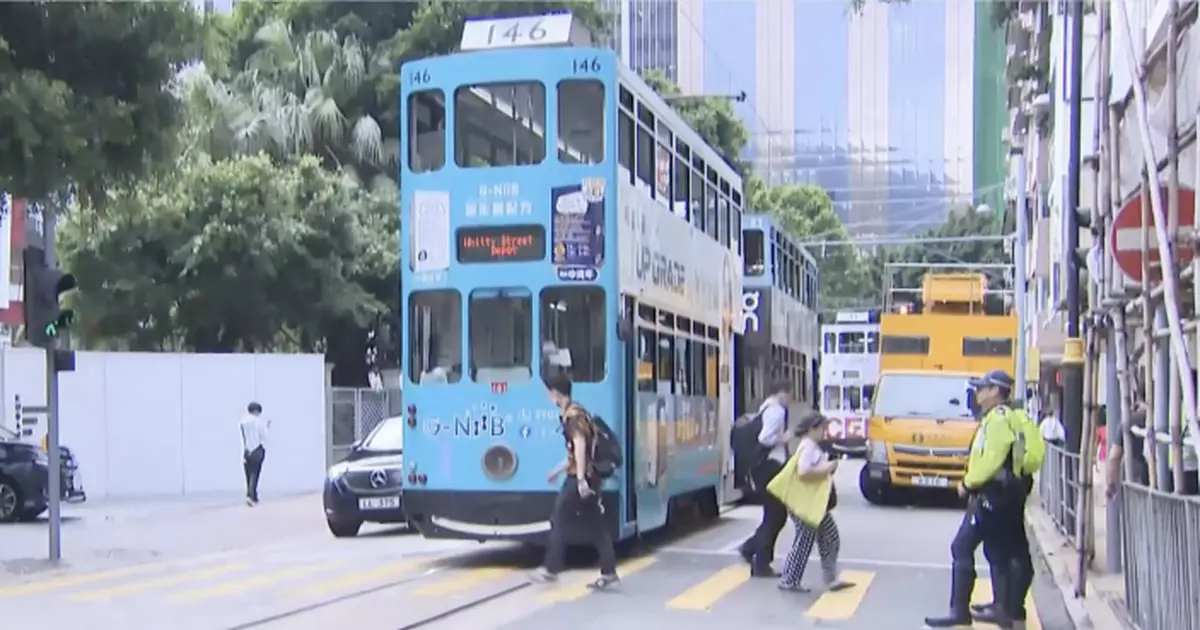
<point>71,581</point>
<point>865,562</point>
<point>704,596</point>
<point>351,580</point>
<point>465,580</point>
<point>163,582</point>
<point>579,589</point>
<point>844,603</point>
<point>253,583</point>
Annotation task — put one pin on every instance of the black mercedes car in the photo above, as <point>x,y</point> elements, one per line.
<point>25,479</point>
<point>366,486</point>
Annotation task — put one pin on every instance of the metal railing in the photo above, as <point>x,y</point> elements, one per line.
<point>1058,490</point>
<point>355,412</point>
<point>1161,541</point>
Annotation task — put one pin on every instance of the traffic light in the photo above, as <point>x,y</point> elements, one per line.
<point>45,319</point>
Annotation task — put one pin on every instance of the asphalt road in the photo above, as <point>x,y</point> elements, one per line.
<point>221,566</point>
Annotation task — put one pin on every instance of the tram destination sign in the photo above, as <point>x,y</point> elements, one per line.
<point>501,243</point>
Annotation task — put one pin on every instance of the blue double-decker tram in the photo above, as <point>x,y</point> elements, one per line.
<point>557,216</point>
<point>779,310</point>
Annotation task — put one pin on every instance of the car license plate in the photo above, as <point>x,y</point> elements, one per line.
<point>379,503</point>
<point>931,482</point>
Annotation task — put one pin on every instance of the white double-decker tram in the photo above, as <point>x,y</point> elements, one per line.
<point>849,372</point>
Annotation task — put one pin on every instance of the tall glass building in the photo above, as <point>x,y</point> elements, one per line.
<point>896,111</point>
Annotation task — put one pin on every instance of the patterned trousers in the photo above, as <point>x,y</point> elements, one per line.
<point>828,542</point>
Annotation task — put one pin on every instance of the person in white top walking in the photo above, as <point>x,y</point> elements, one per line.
<point>254,441</point>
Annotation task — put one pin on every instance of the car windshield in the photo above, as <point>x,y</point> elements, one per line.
<point>388,436</point>
<point>937,396</point>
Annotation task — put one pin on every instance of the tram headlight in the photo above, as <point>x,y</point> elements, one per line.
<point>877,452</point>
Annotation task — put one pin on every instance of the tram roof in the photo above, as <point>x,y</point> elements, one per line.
<point>754,220</point>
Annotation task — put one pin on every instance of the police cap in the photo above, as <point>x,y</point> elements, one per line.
<point>994,378</point>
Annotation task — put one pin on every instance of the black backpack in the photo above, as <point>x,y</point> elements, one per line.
<point>607,455</point>
<point>748,454</point>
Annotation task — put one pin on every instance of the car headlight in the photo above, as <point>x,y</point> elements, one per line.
<point>337,470</point>
<point>877,452</point>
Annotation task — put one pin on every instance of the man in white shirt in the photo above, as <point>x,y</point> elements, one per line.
<point>254,440</point>
<point>759,549</point>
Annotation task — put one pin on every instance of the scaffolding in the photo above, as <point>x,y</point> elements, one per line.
<point>1140,337</point>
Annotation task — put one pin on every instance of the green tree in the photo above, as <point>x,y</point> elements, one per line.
<point>84,96</point>
<point>964,222</point>
<point>806,212</point>
<point>233,255</point>
<point>713,118</point>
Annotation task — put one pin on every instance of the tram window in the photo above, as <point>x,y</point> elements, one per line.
<point>426,131</point>
<point>573,327</point>
<point>712,361</point>
<point>663,179</point>
<point>645,149</point>
<point>665,374</point>
<point>723,220</point>
<point>853,398</point>
<point>756,262</point>
<point>627,142</point>
<point>501,335</point>
<point>868,395</point>
<point>832,398</point>
<point>696,354</point>
<point>851,343</point>
<point>683,188</point>
<point>735,229</point>
<point>803,375</point>
<point>872,343</point>
<point>710,211</point>
<point>683,367</point>
<point>435,337</point>
<point>697,205</point>
<point>647,357</point>
<point>830,344</point>
<point>987,347</point>
<point>581,121</point>
<point>500,124</point>
<point>898,344</point>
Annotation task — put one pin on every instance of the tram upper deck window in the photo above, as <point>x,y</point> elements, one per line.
<point>830,343</point>
<point>699,218</point>
<point>626,133</point>
<point>572,335</point>
<point>756,262</point>
<point>581,121</point>
<point>500,328</point>
<point>682,177</point>
<point>872,343</point>
<point>435,337</point>
<point>426,131</point>
<point>500,124</point>
<point>851,343</point>
<point>645,149</point>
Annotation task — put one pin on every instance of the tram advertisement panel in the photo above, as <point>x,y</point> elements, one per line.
<point>756,315</point>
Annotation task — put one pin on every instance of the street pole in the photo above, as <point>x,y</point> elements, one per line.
<point>49,217</point>
<point>1072,373</point>
<point>1020,280</point>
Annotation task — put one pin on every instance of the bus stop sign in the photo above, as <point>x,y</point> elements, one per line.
<point>1125,238</point>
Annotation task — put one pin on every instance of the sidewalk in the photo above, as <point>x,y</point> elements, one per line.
<point>1103,605</point>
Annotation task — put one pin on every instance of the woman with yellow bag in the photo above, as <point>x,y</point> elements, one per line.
<point>805,486</point>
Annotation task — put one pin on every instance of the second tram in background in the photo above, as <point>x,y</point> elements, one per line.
<point>849,371</point>
<point>780,285</point>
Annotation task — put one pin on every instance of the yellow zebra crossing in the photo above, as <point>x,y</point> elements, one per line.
<point>694,590</point>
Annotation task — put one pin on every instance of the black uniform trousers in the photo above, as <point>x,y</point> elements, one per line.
<point>996,520</point>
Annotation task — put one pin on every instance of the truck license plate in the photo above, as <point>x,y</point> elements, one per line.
<point>379,503</point>
<point>931,482</point>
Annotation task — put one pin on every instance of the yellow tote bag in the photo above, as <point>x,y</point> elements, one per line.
<point>807,500</point>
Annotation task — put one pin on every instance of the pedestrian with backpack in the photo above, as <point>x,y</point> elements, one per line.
<point>578,506</point>
<point>761,444</point>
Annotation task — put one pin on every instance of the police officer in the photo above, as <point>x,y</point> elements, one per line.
<point>995,499</point>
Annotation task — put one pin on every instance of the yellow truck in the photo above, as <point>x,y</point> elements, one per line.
<point>922,421</point>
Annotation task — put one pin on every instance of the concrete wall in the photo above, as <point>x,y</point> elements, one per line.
<point>149,424</point>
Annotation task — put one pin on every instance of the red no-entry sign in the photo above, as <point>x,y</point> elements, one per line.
<point>1125,239</point>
